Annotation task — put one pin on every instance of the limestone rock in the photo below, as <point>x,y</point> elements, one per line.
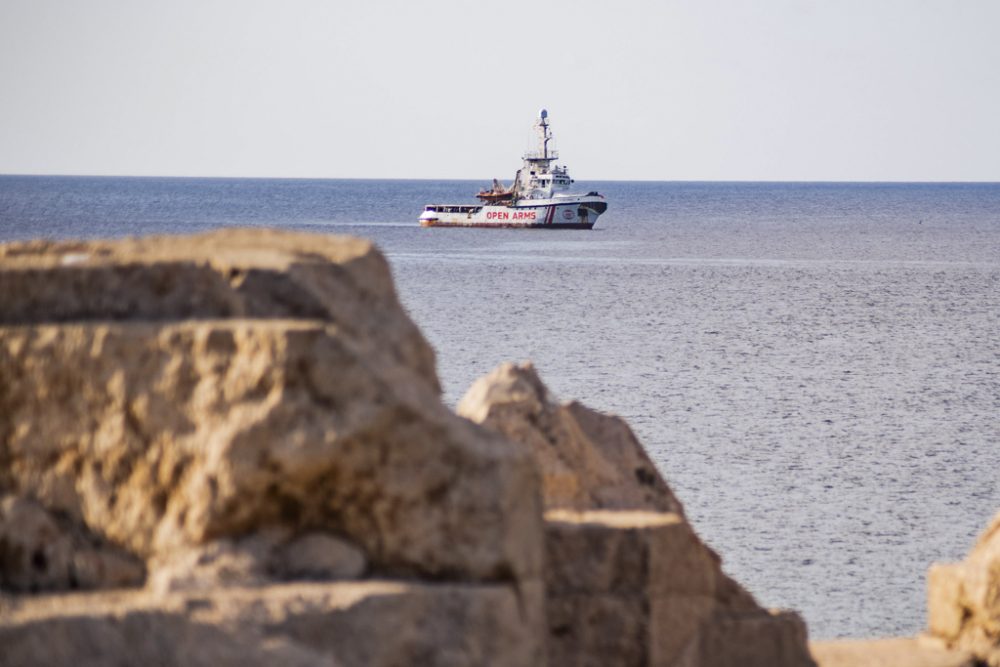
<point>628,582</point>
<point>758,638</point>
<point>640,588</point>
<point>963,599</point>
<point>318,556</point>
<point>227,274</point>
<point>351,624</point>
<point>588,460</point>
<point>218,564</point>
<point>40,551</point>
<point>177,394</point>
<point>163,436</point>
<point>235,409</point>
<point>258,559</point>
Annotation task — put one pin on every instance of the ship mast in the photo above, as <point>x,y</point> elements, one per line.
<point>540,159</point>
<point>543,124</point>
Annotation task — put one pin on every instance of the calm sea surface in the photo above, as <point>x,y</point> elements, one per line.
<point>815,368</point>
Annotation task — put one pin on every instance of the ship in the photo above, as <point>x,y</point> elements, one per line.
<point>539,197</point>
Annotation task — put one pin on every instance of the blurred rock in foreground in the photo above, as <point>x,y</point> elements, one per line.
<point>628,582</point>
<point>365,623</point>
<point>240,409</point>
<point>588,460</point>
<point>230,449</point>
<point>963,599</point>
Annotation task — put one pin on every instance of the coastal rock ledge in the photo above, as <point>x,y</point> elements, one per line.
<point>230,449</point>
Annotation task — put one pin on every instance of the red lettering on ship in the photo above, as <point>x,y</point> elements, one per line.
<point>507,215</point>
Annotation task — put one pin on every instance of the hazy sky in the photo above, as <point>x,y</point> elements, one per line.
<point>683,90</point>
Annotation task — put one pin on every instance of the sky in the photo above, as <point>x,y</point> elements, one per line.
<point>804,90</point>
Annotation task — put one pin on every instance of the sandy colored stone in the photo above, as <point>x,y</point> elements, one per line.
<point>628,581</point>
<point>235,409</point>
<point>318,556</point>
<point>897,652</point>
<point>640,588</point>
<point>40,551</point>
<point>257,559</point>
<point>163,436</point>
<point>230,273</point>
<point>598,630</point>
<point>752,638</point>
<point>375,623</point>
<point>174,395</point>
<point>588,460</point>
<point>946,610</point>
<point>675,622</point>
<point>963,599</point>
<point>628,553</point>
<point>217,564</point>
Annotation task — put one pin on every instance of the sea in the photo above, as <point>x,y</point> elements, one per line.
<point>814,367</point>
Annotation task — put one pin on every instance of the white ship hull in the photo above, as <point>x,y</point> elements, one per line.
<point>565,212</point>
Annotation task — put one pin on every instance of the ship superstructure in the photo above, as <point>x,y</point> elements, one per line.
<point>538,197</point>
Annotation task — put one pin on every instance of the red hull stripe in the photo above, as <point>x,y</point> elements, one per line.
<point>507,225</point>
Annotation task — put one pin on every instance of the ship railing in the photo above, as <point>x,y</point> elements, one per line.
<point>539,155</point>
<point>453,208</point>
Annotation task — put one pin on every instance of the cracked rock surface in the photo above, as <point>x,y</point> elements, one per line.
<point>172,394</point>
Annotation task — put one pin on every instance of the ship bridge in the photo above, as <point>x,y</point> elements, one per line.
<point>540,177</point>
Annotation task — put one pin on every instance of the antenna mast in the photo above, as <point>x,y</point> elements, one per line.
<point>543,123</point>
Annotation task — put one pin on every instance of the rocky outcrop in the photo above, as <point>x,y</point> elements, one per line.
<point>588,460</point>
<point>294,392</point>
<point>241,433</point>
<point>162,436</point>
<point>370,624</point>
<point>233,274</point>
<point>628,582</point>
<point>238,409</point>
<point>640,588</point>
<point>963,599</point>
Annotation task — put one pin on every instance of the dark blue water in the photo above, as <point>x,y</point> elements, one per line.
<point>814,367</point>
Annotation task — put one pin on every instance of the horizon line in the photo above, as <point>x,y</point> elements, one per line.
<point>435,179</point>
